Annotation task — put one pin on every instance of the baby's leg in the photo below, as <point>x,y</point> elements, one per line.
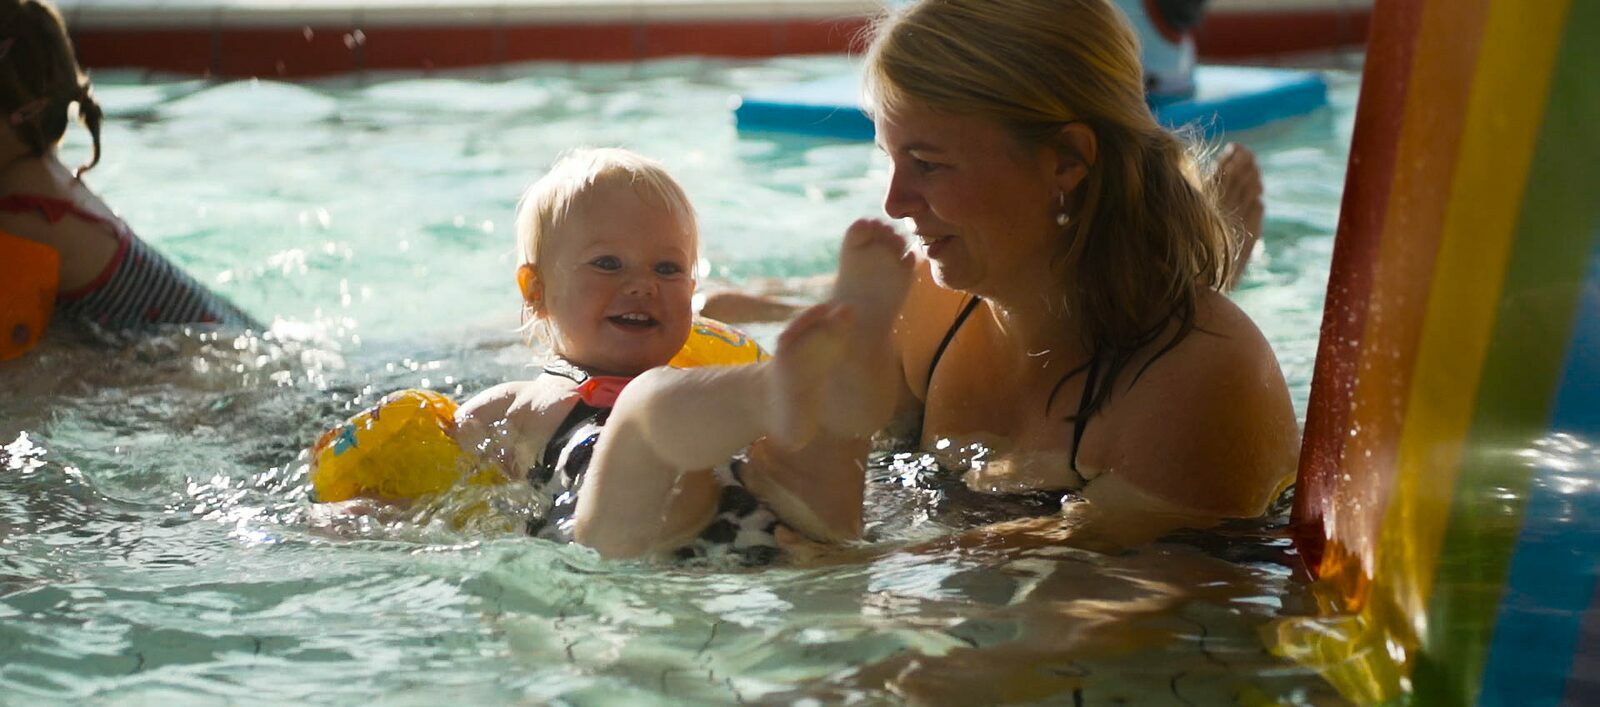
<point>818,489</point>
<point>874,275</point>
<point>812,408</point>
<point>672,423</point>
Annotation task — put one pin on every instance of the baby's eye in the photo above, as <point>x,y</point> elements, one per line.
<point>668,268</point>
<point>608,263</point>
<point>925,166</point>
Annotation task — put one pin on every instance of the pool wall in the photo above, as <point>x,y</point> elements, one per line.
<point>322,37</point>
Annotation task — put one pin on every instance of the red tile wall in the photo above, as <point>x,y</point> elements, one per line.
<point>318,51</point>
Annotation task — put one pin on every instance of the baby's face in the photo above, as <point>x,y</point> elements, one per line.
<point>618,283</point>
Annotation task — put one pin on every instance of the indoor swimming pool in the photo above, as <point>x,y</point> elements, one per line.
<point>153,494</point>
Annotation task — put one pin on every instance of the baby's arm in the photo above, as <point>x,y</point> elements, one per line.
<point>510,423</point>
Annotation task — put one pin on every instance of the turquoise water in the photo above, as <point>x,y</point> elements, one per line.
<point>154,532</point>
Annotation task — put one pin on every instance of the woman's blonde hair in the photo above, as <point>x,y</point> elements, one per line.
<point>545,207</point>
<point>1143,238</point>
<point>40,78</point>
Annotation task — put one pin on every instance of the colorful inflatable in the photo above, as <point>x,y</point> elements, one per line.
<point>712,343</point>
<point>29,275</point>
<point>1448,495</point>
<point>404,447</point>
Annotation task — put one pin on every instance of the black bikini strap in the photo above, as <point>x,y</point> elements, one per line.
<point>1080,421</point>
<point>950,336</point>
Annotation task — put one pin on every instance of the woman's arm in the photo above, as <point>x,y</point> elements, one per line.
<point>737,307</point>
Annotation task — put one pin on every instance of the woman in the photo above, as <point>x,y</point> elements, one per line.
<point>1067,313</point>
<point>99,271</point>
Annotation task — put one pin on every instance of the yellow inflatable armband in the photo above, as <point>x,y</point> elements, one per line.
<point>399,449</point>
<point>712,343</point>
<point>404,447</point>
<point>29,274</point>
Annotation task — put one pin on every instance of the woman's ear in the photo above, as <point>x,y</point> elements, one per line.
<point>1077,149</point>
<point>531,287</point>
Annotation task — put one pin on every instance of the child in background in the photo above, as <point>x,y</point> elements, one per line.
<point>105,275</point>
<point>639,458</point>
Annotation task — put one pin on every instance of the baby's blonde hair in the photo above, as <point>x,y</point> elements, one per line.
<point>576,175</point>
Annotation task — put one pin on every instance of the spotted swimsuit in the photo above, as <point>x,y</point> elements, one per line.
<point>743,529</point>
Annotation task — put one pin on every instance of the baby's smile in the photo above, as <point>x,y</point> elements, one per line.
<point>633,320</point>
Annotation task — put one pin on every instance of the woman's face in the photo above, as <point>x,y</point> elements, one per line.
<point>984,207</point>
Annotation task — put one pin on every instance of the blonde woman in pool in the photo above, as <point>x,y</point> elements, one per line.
<point>1069,244</point>
<point>642,459</point>
<point>1066,311</point>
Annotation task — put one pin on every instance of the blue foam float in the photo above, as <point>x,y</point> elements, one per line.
<point>1226,98</point>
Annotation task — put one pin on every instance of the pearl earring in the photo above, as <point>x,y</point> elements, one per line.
<point>1061,216</point>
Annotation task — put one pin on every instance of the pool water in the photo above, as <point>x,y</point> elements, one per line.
<point>155,541</point>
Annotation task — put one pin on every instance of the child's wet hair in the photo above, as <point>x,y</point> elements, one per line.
<point>40,78</point>
<point>576,175</point>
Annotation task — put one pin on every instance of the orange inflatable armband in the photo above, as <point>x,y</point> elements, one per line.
<point>29,274</point>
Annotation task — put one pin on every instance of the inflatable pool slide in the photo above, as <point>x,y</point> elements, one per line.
<point>1448,495</point>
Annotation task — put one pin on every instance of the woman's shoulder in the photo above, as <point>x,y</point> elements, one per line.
<point>45,182</point>
<point>30,175</point>
<point>34,201</point>
<point>1223,331</point>
<point>1209,424</point>
<point>26,180</point>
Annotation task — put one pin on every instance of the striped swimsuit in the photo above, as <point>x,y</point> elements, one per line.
<point>138,288</point>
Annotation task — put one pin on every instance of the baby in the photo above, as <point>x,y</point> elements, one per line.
<point>641,458</point>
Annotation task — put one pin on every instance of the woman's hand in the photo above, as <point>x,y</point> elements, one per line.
<point>1239,189</point>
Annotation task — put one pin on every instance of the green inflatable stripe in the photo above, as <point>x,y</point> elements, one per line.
<point>1527,351</point>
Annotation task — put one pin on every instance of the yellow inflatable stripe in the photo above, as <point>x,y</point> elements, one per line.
<point>1506,109</point>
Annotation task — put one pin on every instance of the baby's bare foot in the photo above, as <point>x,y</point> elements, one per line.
<point>874,275</point>
<point>809,350</point>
